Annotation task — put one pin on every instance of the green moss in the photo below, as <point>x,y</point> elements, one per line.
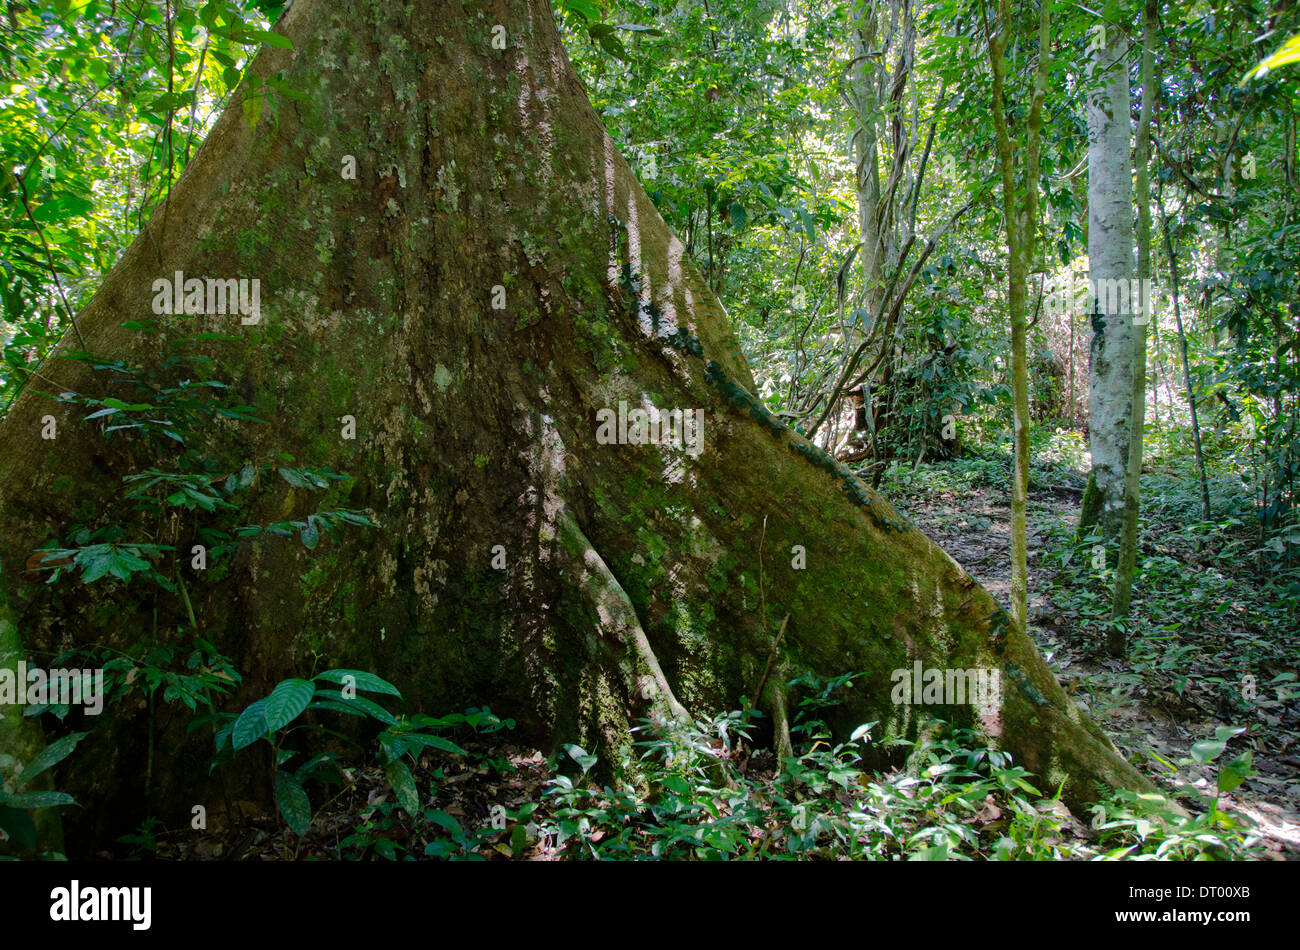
<point>1017,676</point>
<point>719,578</point>
<point>252,243</point>
<point>274,328</point>
<point>266,403</point>
<point>528,316</point>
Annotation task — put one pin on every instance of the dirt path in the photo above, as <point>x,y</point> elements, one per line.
<point>1145,718</point>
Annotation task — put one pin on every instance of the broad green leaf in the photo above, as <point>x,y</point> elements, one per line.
<point>368,706</point>
<point>399,776</point>
<point>440,817</point>
<point>579,755</point>
<point>584,8</point>
<point>738,216</point>
<point>112,403</point>
<point>250,726</point>
<point>294,478</point>
<point>434,742</point>
<point>36,799</point>
<point>122,564</point>
<point>1232,774</point>
<point>310,535</point>
<point>286,702</point>
<point>51,755</point>
<point>1207,751</point>
<point>272,39</point>
<point>293,803</point>
<point>94,563</point>
<point>366,682</point>
<point>62,208</point>
<point>1224,733</point>
<point>336,707</point>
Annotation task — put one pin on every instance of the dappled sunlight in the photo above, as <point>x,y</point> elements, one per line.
<point>442,405</point>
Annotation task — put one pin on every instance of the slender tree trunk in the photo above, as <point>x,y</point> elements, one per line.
<point>883,29</point>
<point>1187,368</point>
<point>1116,638</point>
<point>1110,272</point>
<point>1020,215</point>
<point>525,558</point>
<point>1155,364</point>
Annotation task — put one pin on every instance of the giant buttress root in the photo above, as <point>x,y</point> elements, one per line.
<point>522,560</point>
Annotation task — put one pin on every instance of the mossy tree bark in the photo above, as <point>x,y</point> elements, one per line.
<point>637,579</point>
<point>1020,219</point>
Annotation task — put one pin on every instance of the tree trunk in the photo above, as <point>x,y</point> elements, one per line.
<point>1020,217</point>
<point>1127,565</point>
<point>1110,273</point>
<point>1187,369</point>
<point>633,573</point>
<point>875,97</point>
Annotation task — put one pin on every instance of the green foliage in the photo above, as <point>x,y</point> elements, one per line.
<point>955,801</point>
<point>382,831</point>
<point>202,482</point>
<point>104,105</point>
<point>144,837</point>
<point>18,800</point>
<point>273,718</point>
<point>1287,54</point>
<point>1144,827</point>
<point>734,115</point>
<point>284,713</point>
<point>172,415</point>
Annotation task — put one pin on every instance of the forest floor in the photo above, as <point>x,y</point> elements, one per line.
<point>1181,680</point>
<point>1209,649</point>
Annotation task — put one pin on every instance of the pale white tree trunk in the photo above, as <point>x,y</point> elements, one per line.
<point>1116,638</point>
<point>1110,272</point>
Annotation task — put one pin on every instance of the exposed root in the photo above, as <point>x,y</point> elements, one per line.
<point>774,699</point>
<point>618,621</point>
<point>772,695</point>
